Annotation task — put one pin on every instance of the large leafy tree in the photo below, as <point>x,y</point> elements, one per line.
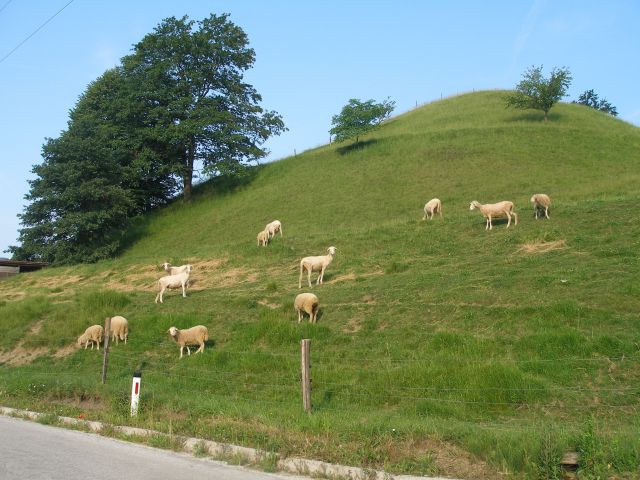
<point>539,93</point>
<point>189,76</point>
<point>591,99</point>
<point>357,118</point>
<point>136,133</point>
<point>93,178</point>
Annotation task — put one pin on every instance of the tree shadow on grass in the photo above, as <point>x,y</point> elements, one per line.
<point>217,186</point>
<point>356,146</point>
<point>537,117</point>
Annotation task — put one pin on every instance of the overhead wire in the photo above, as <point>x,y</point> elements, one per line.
<point>35,31</point>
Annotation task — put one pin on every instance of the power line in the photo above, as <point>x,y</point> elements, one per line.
<point>35,31</point>
<point>5,6</point>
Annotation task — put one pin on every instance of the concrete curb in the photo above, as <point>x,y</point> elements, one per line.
<point>223,451</point>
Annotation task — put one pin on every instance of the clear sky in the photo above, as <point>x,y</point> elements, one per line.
<point>311,58</point>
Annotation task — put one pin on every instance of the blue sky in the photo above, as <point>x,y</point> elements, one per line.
<point>311,58</point>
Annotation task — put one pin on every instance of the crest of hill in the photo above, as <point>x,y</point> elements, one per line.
<point>459,149</point>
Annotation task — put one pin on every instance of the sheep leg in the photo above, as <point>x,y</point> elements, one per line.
<point>201,349</point>
<point>184,292</point>
<point>299,316</point>
<point>181,347</point>
<point>488,226</point>
<point>188,350</point>
<point>515,216</point>
<point>309,276</point>
<point>319,280</point>
<point>300,279</point>
<point>546,212</point>
<point>508,219</point>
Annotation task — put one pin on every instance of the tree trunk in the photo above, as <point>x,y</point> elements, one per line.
<point>187,177</point>
<point>545,115</point>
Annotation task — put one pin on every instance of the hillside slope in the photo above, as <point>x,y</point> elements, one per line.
<point>509,346</point>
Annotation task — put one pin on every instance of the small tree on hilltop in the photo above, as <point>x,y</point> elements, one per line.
<point>590,99</point>
<point>539,93</point>
<point>358,118</point>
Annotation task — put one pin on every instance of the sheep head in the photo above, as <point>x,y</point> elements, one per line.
<point>173,331</point>
<point>332,250</point>
<point>473,205</point>
<point>166,266</point>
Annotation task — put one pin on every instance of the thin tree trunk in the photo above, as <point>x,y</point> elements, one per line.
<point>187,177</point>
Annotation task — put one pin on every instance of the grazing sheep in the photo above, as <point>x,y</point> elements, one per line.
<point>541,202</point>
<point>175,270</point>
<point>494,210</point>
<point>263,238</point>
<point>174,281</point>
<point>306,303</point>
<point>273,228</point>
<point>91,335</point>
<point>316,264</point>
<point>190,336</point>
<point>119,328</point>
<point>432,207</point>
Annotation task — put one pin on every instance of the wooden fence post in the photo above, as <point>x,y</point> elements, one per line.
<point>306,379</point>
<point>105,350</point>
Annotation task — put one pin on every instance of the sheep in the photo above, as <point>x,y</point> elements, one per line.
<point>306,303</point>
<point>190,336</point>
<point>432,207</point>
<point>541,202</point>
<point>166,266</point>
<point>263,238</point>
<point>493,210</point>
<point>273,228</point>
<point>119,328</point>
<point>91,335</point>
<point>176,270</point>
<point>315,264</point>
<point>174,281</point>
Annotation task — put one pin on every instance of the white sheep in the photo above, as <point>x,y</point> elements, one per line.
<point>91,335</point>
<point>432,207</point>
<point>174,281</point>
<point>306,303</point>
<point>495,210</point>
<point>263,238</point>
<point>273,228</point>
<point>190,336</point>
<point>119,328</point>
<point>541,202</point>
<point>316,264</point>
<point>175,270</point>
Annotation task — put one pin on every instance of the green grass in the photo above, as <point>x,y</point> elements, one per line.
<point>431,336</point>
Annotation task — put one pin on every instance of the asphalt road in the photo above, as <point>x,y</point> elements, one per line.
<point>29,450</point>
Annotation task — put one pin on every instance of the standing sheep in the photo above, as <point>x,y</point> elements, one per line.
<point>91,335</point>
<point>432,207</point>
<point>263,238</point>
<point>316,264</point>
<point>541,202</point>
<point>119,327</point>
<point>306,303</point>
<point>191,336</point>
<point>174,281</point>
<point>495,210</point>
<point>273,228</point>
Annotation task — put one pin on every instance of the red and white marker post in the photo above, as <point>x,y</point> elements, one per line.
<point>135,393</point>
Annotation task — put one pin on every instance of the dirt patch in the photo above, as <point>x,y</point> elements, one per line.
<point>272,306</point>
<point>352,276</point>
<point>65,351</point>
<point>36,327</point>
<point>542,247</point>
<point>449,459</point>
<point>21,356</point>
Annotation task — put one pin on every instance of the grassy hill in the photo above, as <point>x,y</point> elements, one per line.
<point>440,348</point>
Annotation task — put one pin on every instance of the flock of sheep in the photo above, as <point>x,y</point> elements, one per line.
<point>541,203</point>
<point>304,303</point>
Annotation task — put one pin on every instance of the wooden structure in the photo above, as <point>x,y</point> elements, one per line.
<point>13,267</point>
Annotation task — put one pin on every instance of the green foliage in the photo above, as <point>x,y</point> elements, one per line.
<point>137,130</point>
<point>358,118</point>
<point>591,99</point>
<point>191,80</point>
<point>539,93</point>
